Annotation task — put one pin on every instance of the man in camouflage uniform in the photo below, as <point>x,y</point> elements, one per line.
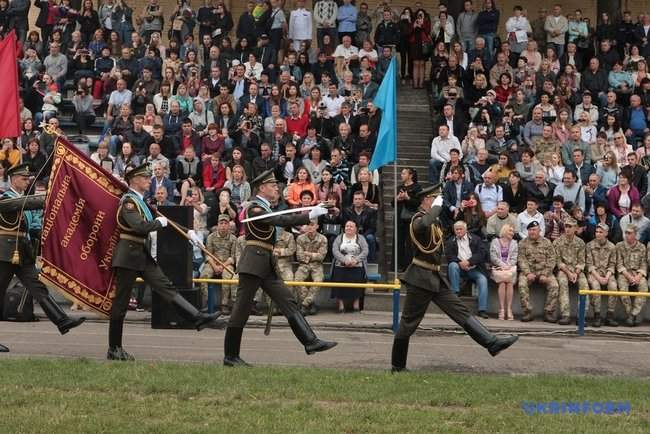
<point>601,265</point>
<point>632,268</point>
<point>536,263</point>
<point>570,251</point>
<point>221,243</point>
<point>311,252</point>
<point>284,251</point>
<point>546,144</point>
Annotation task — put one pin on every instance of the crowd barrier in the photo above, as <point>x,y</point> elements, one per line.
<point>582,303</point>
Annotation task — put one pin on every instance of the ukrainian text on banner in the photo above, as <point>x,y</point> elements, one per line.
<point>80,229</point>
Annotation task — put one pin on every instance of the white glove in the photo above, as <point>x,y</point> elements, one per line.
<point>163,221</point>
<point>437,201</point>
<point>317,211</point>
<point>195,238</point>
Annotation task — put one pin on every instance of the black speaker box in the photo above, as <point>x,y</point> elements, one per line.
<point>164,315</point>
<point>174,256</point>
<point>174,252</point>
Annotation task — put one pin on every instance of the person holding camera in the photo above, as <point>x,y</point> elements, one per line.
<point>84,114</point>
<point>151,19</point>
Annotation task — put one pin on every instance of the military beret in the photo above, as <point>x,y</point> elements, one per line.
<point>141,170</point>
<point>533,224</point>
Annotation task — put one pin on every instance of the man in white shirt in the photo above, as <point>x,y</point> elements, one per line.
<point>300,27</point>
<point>333,101</point>
<point>489,193</point>
<point>528,215</point>
<point>636,218</point>
<point>440,147</point>
<point>345,55</point>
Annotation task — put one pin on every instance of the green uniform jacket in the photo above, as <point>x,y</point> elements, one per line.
<point>9,213</point>
<point>130,254</point>
<point>257,260</point>
<point>416,275</point>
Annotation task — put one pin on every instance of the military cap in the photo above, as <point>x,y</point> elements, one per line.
<point>429,191</point>
<point>570,221</point>
<point>632,227</point>
<point>20,170</point>
<point>603,226</point>
<point>266,177</point>
<point>533,224</point>
<point>141,170</point>
<point>223,218</point>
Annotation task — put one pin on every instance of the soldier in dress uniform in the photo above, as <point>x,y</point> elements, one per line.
<point>570,251</point>
<point>536,263</point>
<point>632,268</point>
<point>17,256</point>
<point>312,249</point>
<point>601,264</point>
<point>132,258</point>
<point>257,267</point>
<point>422,281</point>
<point>221,243</point>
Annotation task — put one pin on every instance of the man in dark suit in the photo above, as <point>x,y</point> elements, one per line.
<point>422,281</point>
<point>466,256</point>
<point>579,167</point>
<point>347,117</point>
<point>252,96</point>
<point>542,191</point>
<point>132,258</point>
<point>454,193</point>
<point>454,120</point>
<point>368,87</point>
<point>214,81</point>
<point>257,268</point>
<point>17,256</point>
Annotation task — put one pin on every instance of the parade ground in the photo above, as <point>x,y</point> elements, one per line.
<point>52,383</point>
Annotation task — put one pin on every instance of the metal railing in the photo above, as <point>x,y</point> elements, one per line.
<point>582,303</point>
<point>395,287</point>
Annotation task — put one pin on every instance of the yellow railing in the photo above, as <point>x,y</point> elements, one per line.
<point>582,303</point>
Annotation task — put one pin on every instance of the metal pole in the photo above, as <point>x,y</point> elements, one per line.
<point>396,291</point>
<point>581,315</point>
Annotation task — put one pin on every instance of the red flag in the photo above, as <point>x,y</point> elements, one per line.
<point>80,228</point>
<point>10,118</point>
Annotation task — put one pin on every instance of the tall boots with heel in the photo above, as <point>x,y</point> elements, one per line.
<point>231,346</point>
<point>58,316</point>
<point>399,355</point>
<point>189,312</point>
<point>486,338</point>
<point>306,335</point>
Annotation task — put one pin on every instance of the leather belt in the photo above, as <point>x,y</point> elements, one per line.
<point>265,246</point>
<point>132,238</point>
<point>13,233</point>
<point>425,264</point>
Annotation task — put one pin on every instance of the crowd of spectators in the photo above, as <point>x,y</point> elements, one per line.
<point>211,102</point>
<point>544,129</point>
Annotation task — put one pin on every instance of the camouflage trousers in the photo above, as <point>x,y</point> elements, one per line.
<point>306,295</point>
<point>564,297</point>
<point>595,300</point>
<point>551,294</point>
<point>228,292</point>
<point>636,307</point>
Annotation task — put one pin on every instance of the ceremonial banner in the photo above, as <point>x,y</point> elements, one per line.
<point>80,229</point>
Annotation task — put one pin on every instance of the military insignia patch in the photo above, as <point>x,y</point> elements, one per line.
<point>129,205</point>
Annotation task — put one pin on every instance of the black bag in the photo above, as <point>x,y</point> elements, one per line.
<point>18,305</point>
<point>331,229</point>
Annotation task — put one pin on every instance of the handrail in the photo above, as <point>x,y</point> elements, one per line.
<point>395,286</point>
<point>582,302</point>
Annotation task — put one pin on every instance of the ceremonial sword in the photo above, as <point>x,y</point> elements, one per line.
<point>285,211</point>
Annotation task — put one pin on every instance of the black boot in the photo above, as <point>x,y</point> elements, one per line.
<point>58,316</point>
<point>115,350</point>
<point>487,339</point>
<point>306,335</point>
<point>190,313</point>
<point>596,322</point>
<point>610,321</point>
<point>3,349</point>
<point>231,345</point>
<point>400,352</point>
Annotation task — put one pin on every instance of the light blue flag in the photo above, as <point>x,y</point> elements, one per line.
<point>386,100</point>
